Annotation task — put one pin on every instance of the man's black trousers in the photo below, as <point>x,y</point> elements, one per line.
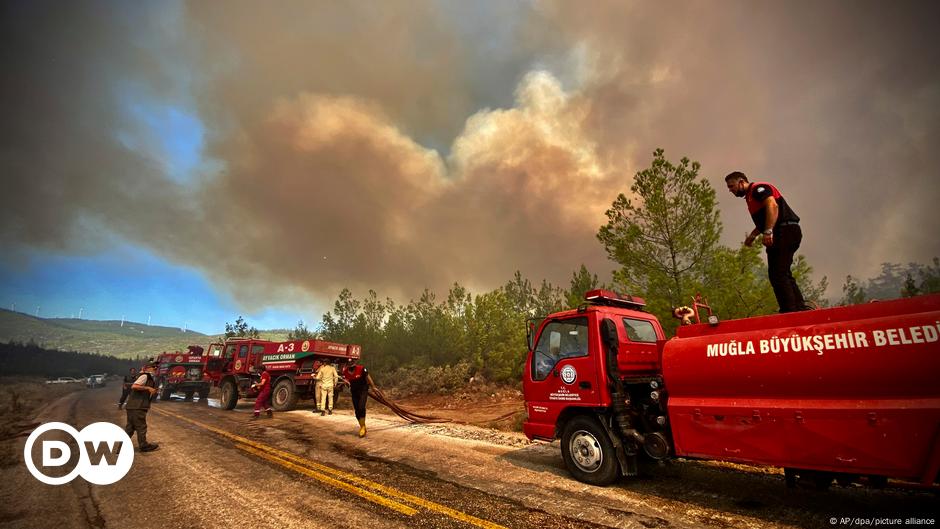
<point>360,395</point>
<point>779,260</point>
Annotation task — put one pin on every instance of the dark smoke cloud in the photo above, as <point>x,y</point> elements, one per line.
<point>398,146</point>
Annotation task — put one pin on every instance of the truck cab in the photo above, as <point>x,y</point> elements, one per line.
<point>231,365</point>
<point>579,363</point>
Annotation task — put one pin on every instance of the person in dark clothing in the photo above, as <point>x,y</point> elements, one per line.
<point>778,226</point>
<point>138,404</point>
<point>360,382</point>
<point>126,388</point>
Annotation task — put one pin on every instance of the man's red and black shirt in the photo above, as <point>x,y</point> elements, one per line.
<point>757,194</point>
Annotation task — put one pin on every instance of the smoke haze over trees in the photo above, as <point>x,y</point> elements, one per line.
<point>369,146</point>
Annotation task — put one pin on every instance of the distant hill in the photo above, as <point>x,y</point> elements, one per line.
<point>108,337</point>
<point>92,336</point>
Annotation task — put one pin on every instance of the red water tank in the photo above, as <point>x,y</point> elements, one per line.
<point>847,389</point>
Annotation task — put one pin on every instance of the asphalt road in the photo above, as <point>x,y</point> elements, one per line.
<point>218,468</point>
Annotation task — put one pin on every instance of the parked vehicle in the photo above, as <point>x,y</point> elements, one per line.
<point>844,393</point>
<point>95,381</point>
<point>183,373</point>
<point>65,380</point>
<point>232,366</point>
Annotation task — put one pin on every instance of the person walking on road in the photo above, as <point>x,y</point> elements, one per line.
<point>126,388</point>
<point>327,378</point>
<point>360,382</point>
<point>138,404</point>
<point>263,400</point>
<point>779,228</point>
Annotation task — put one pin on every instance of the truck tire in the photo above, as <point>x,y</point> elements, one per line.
<point>229,397</point>
<point>165,391</point>
<point>588,452</point>
<point>284,396</point>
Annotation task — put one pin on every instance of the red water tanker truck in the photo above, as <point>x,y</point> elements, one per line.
<point>844,393</point>
<point>233,367</point>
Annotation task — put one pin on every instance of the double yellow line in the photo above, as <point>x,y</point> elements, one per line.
<point>337,478</point>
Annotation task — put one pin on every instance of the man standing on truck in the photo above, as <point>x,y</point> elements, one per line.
<point>779,228</point>
<point>138,404</point>
<point>126,388</point>
<point>327,378</point>
<point>263,400</point>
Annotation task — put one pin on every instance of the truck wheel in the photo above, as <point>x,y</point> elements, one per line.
<point>189,395</point>
<point>587,451</point>
<point>229,397</point>
<point>284,397</point>
<point>165,391</point>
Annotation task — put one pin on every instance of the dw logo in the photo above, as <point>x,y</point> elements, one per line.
<point>105,453</point>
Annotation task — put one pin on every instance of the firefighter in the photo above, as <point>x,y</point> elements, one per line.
<point>126,388</point>
<point>327,378</point>
<point>360,382</point>
<point>138,404</point>
<point>778,227</point>
<point>316,386</point>
<point>263,400</point>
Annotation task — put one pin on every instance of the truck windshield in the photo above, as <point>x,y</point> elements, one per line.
<point>559,340</point>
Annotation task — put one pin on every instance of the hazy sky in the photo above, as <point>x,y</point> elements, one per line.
<point>195,161</point>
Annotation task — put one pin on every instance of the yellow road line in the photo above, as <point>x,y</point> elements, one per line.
<point>389,491</point>
<point>381,500</point>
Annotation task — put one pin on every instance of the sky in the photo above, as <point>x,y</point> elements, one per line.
<point>192,162</point>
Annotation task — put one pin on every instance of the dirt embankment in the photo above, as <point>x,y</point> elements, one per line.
<point>20,401</point>
<point>489,406</point>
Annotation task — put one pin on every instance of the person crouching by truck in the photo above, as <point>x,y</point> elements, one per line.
<point>360,382</point>
<point>263,400</point>
<point>138,404</point>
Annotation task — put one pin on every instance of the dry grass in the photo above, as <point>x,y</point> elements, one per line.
<point>20,400</point>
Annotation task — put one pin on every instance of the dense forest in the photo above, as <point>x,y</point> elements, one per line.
<point>32,360</point>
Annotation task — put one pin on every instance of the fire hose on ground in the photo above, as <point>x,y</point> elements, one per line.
<point>411,416</point>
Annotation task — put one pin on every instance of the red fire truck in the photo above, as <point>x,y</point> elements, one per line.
<point>839,393</point>
<point>182,373</point>
<point>232,366</point>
